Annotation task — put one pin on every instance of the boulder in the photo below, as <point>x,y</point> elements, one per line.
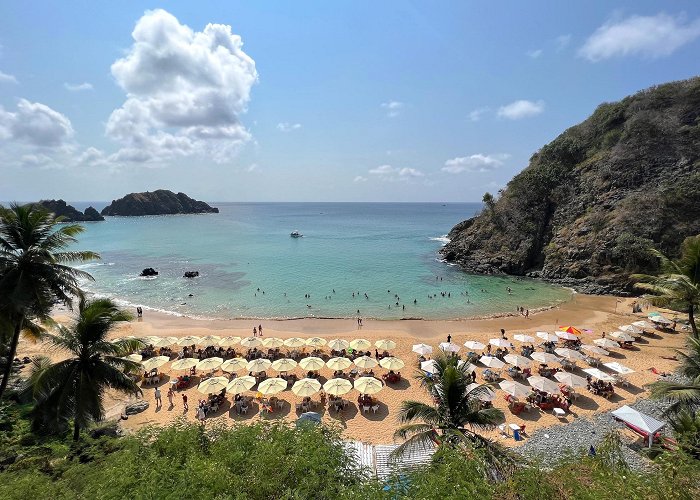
<point>68,212</point>
<point>137,407</point>
<point>149,271</point>
<point>191,274</point>
<point>160,202</point>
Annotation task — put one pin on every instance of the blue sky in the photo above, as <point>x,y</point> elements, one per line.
<point>313,101</point>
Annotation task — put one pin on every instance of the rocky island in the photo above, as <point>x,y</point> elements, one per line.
<point>160,202</point>
<point>69,213</point>
<point>591,203</point>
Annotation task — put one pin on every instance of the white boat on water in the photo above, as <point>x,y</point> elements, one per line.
<point>296,234</point>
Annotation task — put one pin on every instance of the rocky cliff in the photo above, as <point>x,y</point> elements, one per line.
<point>70,213</point>
<point>591,203</point>
<point>160,202</point>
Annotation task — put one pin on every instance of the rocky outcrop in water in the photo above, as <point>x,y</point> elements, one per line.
<point>160,202</point>
<point>69,212</point>
<point>149,271</point>
<point>591,203</point>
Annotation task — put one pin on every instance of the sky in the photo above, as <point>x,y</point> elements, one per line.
<point>313,100</point>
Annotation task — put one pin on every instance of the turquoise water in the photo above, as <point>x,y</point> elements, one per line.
<point>381,249</point>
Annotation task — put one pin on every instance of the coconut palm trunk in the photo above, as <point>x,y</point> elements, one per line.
<point>7,371</point>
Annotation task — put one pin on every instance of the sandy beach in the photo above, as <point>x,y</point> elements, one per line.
<point>595,313</point>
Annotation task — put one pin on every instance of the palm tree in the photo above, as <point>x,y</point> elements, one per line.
<point>684,396</point>
<point>456,414</point>
<point>34,270</point>
<point>679,283</point>
<point>74,388</point>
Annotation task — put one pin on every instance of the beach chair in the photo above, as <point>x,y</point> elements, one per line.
<point>375,408</point>
<point>365,408</point>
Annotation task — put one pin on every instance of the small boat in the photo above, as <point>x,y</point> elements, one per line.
<point>296,234</point>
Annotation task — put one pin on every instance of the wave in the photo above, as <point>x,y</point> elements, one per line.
<point>442,239</point>
<point>92,265</point>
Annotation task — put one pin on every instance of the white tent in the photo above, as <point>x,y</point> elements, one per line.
<point>643,422</point>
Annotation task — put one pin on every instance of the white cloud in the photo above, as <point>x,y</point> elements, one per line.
<point>359,178</point>
<point>649,36</point>
<point>252,167</point>
<point>393,108</point>
<point>6,78</point>
<point>387,172</point>
<point>534,54</point>
<point>186,91</point>
<point>35,124</point>
<point>475,115</point>
<point>563,42</point>
<point>521,109</point>
<point>474,163</point>
<point>77,87</point>
<point>288,127</point>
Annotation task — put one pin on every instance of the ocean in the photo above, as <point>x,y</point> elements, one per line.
<point>250,267</point>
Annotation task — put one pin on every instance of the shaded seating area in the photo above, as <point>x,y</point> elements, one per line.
<point>644,425</point>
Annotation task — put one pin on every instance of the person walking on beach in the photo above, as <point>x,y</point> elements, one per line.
<point>527,314</point>
<point>159,401</point>
<point>255,332</point>
<point>171,394</point>
<point>449,338</point>
<point>503,334</point>
<point>260,330</point>
<point>139,312</point>
<point>184,402</point>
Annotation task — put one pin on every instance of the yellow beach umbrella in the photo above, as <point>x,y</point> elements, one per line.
<point>233,365</point>
<point>272,342</point>
<point>209,340</point>
<point>251,342</point>
<point>338,363</point>
<point>365,362</point>
<point>306,387</point>
<point>316,342</point>
<point>149,340</point>
<point>156,362</point>
<point>229,341</point>
<point>295,342</point>
<point>284,365</point>
<point>258,365</point>
<point>360,344</point>
<point>241,384</point>
<point>386,345</point>
<point>209,364</point>
<point>136,358</point>
<point>184,364</point>
<point>368,385</point>
<point>272,386</point>
<point>392,363</point>
<point>162,341</point>
<point>337,386</point>
<point>312,363</point>
<point>189,340</point>
<point>338,344</point>
<point>213,385</point>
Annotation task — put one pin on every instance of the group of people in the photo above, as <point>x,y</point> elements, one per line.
<point>599,387</point>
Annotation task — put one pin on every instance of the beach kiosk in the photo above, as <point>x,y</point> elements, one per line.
<point>639,422</point>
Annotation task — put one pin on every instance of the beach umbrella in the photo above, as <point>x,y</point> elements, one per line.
<point>606,343</point>
<point>630,329</point>
<point>250,342</point>
<point>316,342</point>
<point>368,385</point>
<point>515,389</point>
<point>229,341</point>
<point>474,345</point>
<point>469,368</point>
<point>306,387</point>
<point>189,340</point>
<point>338,363</point>
<point>594,349</point>
<point>156,362</point>
<point>209,364</point>
<point>570,379</point>
<point>272,342</point>
<point>233,365</point>
<point>543,384</point>
<point>569,354</point>
<point>360,344</point>
<point>654,313</point>
<point>449,347</point>
<point>485,394</point>
<point>365,362</point>
<point>150,339</point>
<point>545,357</point>
<point>429,366</point>
<point>500,343</point>
<point>661,320</point>
<point>391,363</point>
<point>184,364</point>
<point>492,362</point>
<point>209,340</point>
<point>567,336</point>
<point>295,342</point>
<point>385,345</point>
<point>517,360</point>
<point>617,367</point>
<point>571,329</point>
<point>213,385</point>
<point>600,375</point>
<point>621,336</point>
<point>521,337</point>
<point>136,358</point>
<point>422,349</point>
<point>272,386</point>
<point>162,341</point>
<point>258,365</point>
<point>312,363</point>
<point>547,337</point>
<point>284,365</point>
<point>241,384</point>
<point>338,344</point>
<point>337,386</point>
<point>644,325</point>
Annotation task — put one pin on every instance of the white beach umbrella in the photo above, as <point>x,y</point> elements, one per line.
<point>161,341</point>
<point>136,358</point>
<point>284,365</point>
<point>521,337</point>
<point>229,341</point>
<point>449,347</point>
<point>150,339</point>
<point>209,364</point>
<point>594,349</point>
<point>661,320</point>
<point>360,344</point>
<point>338,344</point>
<point>547,337</point>
<point>543,384</point>
<point>306,387</point>
<point>422,349</point>
<point>184,364</point>
<point>600,375</point>
<point>337,386</point>
<point>515,389</point>
<point>295,342</point>
<point>606,343</point>
<point>209,340</point>
<point>272,342</point>
<point>570,379</point>
<point>189,340</point>
<point>233,365</point>
<point>251,342</point>
<point>621,336</point>
<point>569,354</point>
<point>486,393</point>
<point>241,384</point>
<point>316,342</point>
<point>272,386</point>
<point>365,362</point>
<point>617,367</point>
<point>492,362</point>
<point>258,365</point>
<point>429,366</point>
<point>338,363</point>
<point>474,345</point>
<point>368,385</point>
<point>312,363</point>
<point>156,362</point>
<point>516,360</point>
<point>500,343</point>
<point>644,325</point>
<point>634,330</point>
<point>213,385</point>
<point>545,357</point>
<point>567,336</point>
<point>385,344</point>
<point>391,363</point>
<point>469,368</point>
